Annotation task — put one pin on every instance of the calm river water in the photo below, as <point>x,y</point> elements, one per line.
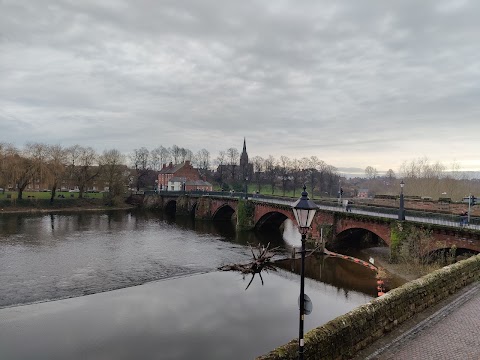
<point>153,289</point>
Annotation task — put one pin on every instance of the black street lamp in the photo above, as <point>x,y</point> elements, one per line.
<point>401,211</point>
<point>304,210</point>
<point>246,187</point>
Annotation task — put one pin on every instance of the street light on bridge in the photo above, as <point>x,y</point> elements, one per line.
<point>246,187</point>
<point>304,210</point>
<point>401,211</point>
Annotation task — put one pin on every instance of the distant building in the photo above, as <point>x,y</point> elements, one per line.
<point>181,177</point>
<point>181,183</point>
<point>241,171</point>
<point>363,193</point>
<point>244,160</point>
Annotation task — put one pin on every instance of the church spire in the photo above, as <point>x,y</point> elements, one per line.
<point>244,157</point>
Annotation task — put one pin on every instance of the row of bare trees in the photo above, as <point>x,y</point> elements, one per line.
<point>53,165</point>
<point>288,175</point>
<point>423,178</point>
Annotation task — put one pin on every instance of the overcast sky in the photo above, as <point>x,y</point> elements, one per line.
<point>355,83</point>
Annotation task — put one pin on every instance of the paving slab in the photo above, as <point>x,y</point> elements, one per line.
<point>450,330</point>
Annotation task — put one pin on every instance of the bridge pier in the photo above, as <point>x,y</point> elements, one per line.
<point>182,206</point>
<point>204,209</point>
<point>153,202</point>
<point>245,215</point>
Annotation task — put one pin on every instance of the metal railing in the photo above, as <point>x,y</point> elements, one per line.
<point>450,220</point>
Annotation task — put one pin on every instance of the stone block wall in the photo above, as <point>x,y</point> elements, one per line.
<point>344,336</point>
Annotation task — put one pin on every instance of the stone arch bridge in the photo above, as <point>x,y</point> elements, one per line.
<point>259,214</point>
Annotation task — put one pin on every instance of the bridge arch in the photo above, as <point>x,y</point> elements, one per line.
<point>359,237</point>
<point>224,213</point>
<point>446,253</point>
<point>271,220</point>
<point>171,207</point>
<point>378,227</point>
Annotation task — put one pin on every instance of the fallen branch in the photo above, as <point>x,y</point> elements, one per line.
<point>261,262</point>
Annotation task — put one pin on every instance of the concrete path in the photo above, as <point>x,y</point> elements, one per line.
<point>450,331</point>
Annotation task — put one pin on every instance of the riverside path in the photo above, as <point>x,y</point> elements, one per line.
<point>448,331</point>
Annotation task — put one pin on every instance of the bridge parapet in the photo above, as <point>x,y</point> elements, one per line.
<point>347,334</point>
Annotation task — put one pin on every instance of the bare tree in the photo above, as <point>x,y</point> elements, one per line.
<point>20,170</point>
<point>57,167</point>
<point>158,157</point>
<point>284,172</point>
<point>202,159</point>
<point>271,171</point>
<point>113,171</point>
<point>312,172</point>
<point>390,175</point>
<point>140,160</point>
<point>221,161</point>
<point>38,153</point>
<point>155,162</point>
<point>87,169</point>
<point>371,172</point>
<point>73,153</point>
<point>332,178</point>
<point>183,155</point>
<point>423,178</point>
<point>4,165</point>
<point>175,151</point>
<point>233,156</point>
<point>295,173</point>
<point>304,165</point>
<point>258,163</point>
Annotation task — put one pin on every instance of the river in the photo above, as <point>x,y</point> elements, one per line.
<point>132,284</point>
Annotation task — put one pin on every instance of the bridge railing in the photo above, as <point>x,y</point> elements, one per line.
<point>335,205</point>
<point>451,220</point>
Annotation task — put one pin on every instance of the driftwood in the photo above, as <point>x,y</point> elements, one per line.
<point>261,261</point>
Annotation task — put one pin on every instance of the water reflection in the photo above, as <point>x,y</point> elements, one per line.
<point>204,316</point>
<point>337,272</point>
<point>45,257</point>
<point>193,312</point>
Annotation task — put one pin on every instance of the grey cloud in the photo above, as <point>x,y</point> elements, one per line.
<point>356,76</point>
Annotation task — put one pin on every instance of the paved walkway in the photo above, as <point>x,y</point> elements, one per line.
<point>450,331</point>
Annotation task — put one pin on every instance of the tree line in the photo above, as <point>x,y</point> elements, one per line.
<point>422,178</point>
<point>54,166</point>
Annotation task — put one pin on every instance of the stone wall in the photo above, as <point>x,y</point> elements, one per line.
<point>344,336</point>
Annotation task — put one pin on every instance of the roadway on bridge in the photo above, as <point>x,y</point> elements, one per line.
<point>339,208</point>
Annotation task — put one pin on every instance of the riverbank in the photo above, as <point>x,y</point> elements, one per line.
<point>398,273</point>
<point>75,205</point>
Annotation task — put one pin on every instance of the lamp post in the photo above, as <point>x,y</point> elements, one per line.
<point>304,210</point>
<point>246,187</point>
<point>401,211</point>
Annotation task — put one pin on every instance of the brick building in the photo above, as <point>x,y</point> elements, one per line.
<point>181,177</point>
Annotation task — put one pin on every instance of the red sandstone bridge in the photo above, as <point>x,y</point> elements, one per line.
<point>259,212</point>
